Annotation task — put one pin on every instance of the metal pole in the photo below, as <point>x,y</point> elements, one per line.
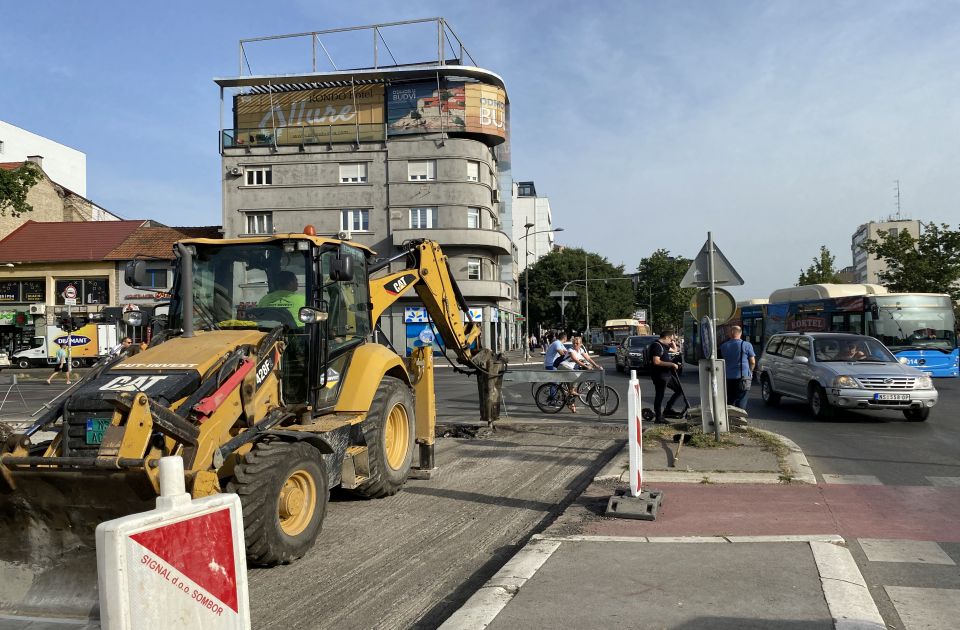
<point>714,403</point>
<point>526,290</point>
<point>586,289</point>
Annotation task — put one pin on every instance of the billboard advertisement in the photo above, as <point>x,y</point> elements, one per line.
<point>318,115</point>
<point>425,107</point>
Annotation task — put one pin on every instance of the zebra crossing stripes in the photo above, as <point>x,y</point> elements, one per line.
<point>852,480</point>
<point>917,551</point>
<point>944,482</point>
<point>925,607</point>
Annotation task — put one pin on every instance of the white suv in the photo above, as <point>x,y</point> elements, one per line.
<point>842,370</point>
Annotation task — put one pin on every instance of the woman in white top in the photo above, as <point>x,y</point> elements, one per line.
<point>575,360</point>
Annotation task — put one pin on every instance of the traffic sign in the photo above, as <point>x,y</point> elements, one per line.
<point>70,301</point>
<point>698,275</point>
<point>725,304</point>
<point>707,343</point>
<point>70,293</point>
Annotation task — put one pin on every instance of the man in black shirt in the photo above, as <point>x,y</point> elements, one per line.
<point>662,372</point>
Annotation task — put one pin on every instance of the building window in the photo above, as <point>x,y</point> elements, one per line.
<point>353,173</point>
<point>1,146</point>
<point>473,218</point>
<point>892,232</point>
<point>422,170</point>
<point>473,171</point>
<point>423,218</point>
<point>88,290</point>
<point>259,223</point>
<point>525,190</point>
<point>355,220</point>
<point>259,176</point>
<point>473,269</point>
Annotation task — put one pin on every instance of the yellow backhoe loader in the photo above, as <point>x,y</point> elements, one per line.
<point>264,379</point>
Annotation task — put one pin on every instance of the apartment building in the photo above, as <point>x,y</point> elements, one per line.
<point>866,268</point>
<point>381,156</point>
<point>531,209</point>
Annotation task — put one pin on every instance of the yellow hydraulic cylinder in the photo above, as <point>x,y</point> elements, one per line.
<point>426,403</point>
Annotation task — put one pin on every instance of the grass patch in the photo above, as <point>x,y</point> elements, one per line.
<point>774,445</point>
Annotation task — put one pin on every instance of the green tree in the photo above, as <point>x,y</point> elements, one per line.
<point>14,186</point>
<point>608,300</point>
<point>658,285</point>
<point>930,264</point>
<point>821,271</point>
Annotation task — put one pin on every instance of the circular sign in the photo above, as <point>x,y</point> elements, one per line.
<point>426,336</point>
<point>70,292</point>
<point>726,305</point>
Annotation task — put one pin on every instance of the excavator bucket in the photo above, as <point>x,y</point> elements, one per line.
<point>48,565</point>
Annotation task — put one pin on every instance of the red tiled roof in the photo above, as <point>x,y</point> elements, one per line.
<point>10,166</point>
<point>157,242</point>
<point>65,241</point>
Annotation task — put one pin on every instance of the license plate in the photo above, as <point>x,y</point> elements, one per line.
<point>891,396</point>
<point>95,429</point>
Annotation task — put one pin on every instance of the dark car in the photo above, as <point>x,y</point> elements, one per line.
<point>632,353</point>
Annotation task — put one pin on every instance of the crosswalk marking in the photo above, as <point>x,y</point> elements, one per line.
<point>857,480</point>
<point>917,551</point>
<point>925,607</point>
<point>945,482</point>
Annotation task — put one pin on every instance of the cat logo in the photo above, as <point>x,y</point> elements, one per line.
<point>399,285</point>
<point>131,383</point>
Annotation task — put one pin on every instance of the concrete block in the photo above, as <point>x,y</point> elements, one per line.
<point>643,507</point>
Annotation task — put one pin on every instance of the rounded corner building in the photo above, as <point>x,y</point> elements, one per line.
<point>382,155</point>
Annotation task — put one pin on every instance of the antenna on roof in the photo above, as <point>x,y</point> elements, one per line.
<point>897,188</point>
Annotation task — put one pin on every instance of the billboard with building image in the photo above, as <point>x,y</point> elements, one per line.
<point>450,106</point>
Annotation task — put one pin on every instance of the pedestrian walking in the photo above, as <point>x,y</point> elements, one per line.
<point>663,373</point>
<point>740,361</point>
<point>63,364</point>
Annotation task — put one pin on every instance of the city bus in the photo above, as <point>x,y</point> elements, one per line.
<point>918,328</point>
<point>616,330</point>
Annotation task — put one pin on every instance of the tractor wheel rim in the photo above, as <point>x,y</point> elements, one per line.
<point>396,436</point>
<point>297,501</point>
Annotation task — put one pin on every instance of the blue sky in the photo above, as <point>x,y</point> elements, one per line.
<point>780,126</point>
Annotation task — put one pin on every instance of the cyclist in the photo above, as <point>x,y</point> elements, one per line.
<point>575,361</point>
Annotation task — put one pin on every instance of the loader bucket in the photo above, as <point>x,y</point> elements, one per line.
<point>48,563</point>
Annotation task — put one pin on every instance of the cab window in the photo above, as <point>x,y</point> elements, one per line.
<point>803,347</point>
<point>789,347</point>
<point>774,345</point>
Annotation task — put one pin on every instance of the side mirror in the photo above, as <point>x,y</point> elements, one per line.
<point>801,360</point>
<point>135,274</point>
<point>341,269</point>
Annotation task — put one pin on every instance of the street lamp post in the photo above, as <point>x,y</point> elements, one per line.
<point>526,282</point>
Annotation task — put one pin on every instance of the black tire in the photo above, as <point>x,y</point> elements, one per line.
<point>76,363</point>
<point>548,403</point>
<point>819,405</point>
<point>23,364</point>
<point>269,480</point>
<point>605,401</point>
<point>389,431</point>
<point>770,397</point>
<point>917,415</point>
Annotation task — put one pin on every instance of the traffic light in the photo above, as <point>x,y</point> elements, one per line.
<point>70,324</point>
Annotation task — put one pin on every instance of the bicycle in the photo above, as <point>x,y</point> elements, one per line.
<point>552,397</point>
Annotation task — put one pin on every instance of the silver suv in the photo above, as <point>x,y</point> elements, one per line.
<point>832,370</point>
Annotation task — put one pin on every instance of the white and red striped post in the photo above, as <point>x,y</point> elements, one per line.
<point>635,431</point>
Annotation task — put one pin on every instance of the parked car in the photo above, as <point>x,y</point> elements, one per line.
<point>632,352</point>
<point>837,370</point>
<point>4,359</point>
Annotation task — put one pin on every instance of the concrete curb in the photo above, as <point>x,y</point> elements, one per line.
<point>796,462</point>
<point>848,599</point>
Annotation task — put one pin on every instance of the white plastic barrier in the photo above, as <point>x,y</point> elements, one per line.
<point>635,433</point>
<point>181,565</point>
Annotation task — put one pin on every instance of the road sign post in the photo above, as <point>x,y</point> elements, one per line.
<point>708,270</point>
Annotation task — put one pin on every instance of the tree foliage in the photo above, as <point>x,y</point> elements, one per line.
<point>821,271</point>
<point>14,186</point>
<point>930,264</point>
<point>612,299</point>
<point>659,283</point>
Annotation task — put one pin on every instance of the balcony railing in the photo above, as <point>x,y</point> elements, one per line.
<point>303,135</point>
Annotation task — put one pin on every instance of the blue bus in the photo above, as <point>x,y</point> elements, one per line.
<point>919,328</point>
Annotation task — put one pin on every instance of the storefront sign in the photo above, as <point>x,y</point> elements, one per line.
<point>8,318</point>
<point>415,315</point>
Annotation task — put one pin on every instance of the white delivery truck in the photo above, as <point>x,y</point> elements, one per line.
<point>86,345</point>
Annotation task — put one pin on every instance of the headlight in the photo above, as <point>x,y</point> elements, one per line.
<point>634,354</point>
<point>845,382</point>
<point>923,382</point>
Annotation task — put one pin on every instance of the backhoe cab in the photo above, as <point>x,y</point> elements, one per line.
<point>264,379</point>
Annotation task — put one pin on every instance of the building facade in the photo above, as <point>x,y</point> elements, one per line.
<point>529,208</point>
<point>382,157</point>
<point>64,165</point>
<point>51,202</point>
<point>866,268</point>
